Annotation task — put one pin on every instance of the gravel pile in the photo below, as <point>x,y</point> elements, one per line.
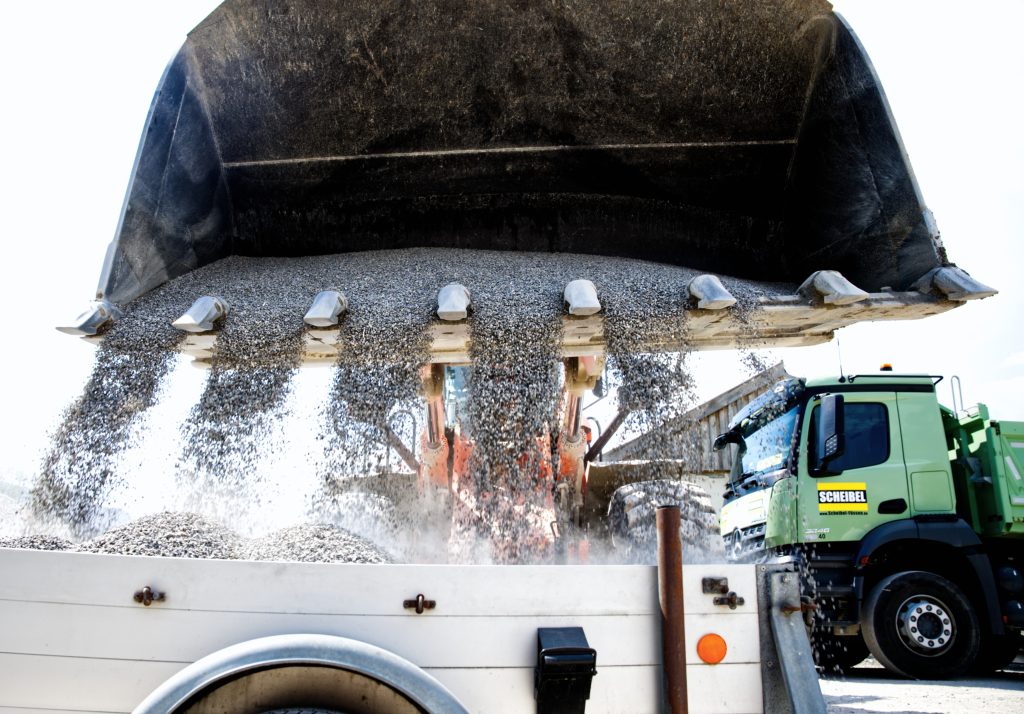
<point>314,543</point>
<point>38,542</point>
<point>189,535</point>
<point>172,535</point>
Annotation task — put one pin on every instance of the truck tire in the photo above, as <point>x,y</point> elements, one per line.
<point>835,655</point>
<point>921,625</point>
<point>631,519</point>
<point>998,653</point>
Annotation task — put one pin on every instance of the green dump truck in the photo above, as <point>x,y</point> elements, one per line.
<point>905,518</point>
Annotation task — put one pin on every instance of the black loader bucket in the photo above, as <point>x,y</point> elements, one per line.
<point>723,138</point>
<point>748,139</point>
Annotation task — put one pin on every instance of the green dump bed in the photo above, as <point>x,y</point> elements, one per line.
<point>994,473</point>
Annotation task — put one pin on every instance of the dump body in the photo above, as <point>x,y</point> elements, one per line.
<point>993,495</point>
<point>76,641</point>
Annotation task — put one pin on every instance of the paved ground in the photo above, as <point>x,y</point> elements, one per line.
<point>869,688</point>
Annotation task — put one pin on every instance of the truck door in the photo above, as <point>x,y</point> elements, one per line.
<point>867,485</point>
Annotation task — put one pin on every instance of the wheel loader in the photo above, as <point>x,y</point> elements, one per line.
<point>743,141</point>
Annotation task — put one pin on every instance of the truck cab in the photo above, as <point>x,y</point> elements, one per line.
<point>873,488</point>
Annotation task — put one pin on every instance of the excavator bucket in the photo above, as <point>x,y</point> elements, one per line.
<point>744,139</point>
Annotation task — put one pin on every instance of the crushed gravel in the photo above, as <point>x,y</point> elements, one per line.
<point>189,535</point>
<point>172,535</point>
<point>38,542</point>
<point>515,321</point>
<point>314,543</point>
<point>80,466</point>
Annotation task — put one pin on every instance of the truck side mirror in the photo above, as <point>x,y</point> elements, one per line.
<point>723,440</point>
<point>829,437</point>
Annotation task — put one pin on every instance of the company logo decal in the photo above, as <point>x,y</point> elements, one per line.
<point>843,498</point>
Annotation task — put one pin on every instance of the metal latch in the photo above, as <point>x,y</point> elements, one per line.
<point>566,664</point>
<point>732,600</point>
<point>147,596</point>
<point>720,587</point>
<point>419,603</point>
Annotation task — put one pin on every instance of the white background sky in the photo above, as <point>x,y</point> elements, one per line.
<point>78,77</point>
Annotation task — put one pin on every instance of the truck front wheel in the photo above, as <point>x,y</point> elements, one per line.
<point>921,625</point>
<point>835,655</point>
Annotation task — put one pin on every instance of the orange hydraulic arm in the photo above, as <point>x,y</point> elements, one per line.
<point>433,467</point>
<point>581,374</point>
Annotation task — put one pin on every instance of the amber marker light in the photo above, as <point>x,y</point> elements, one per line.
<point>711,648</point>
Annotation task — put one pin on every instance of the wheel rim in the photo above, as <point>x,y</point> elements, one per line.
<point>925,625</point>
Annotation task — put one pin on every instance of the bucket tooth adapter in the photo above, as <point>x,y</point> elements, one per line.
<point>453,302</point>
<point>831,288</point>
<point>761,148</point>
<point>326,310</point>
<point>710,293</point>
<point>203,316</point>
<point>98,316</point>
<point>581,298</point>
<point>954,284</point>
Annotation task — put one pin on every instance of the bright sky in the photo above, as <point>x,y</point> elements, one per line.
<point>78,78</point>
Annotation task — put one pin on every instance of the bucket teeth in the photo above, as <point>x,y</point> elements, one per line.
<point>953,283</point>
<point>326,309</point>
<point>581,296</point>
<point>710,293</point>
<point>99,314</point>
<point>453,302</point>
<point>832,288</point>
<point>201,317</point>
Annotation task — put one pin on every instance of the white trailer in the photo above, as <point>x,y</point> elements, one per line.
<point>78,636</point>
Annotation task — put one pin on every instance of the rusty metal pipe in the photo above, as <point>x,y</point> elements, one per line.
<point>670,596</point>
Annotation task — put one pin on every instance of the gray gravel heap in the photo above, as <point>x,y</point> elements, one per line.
<point>38,542</point>
<point>314,543</point>
<point>189,535</point>
<point>172,535</point>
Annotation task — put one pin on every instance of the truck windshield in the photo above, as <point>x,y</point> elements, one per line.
<point>766,446</point>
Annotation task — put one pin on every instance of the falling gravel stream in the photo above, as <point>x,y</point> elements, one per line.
<point>374,396</point>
